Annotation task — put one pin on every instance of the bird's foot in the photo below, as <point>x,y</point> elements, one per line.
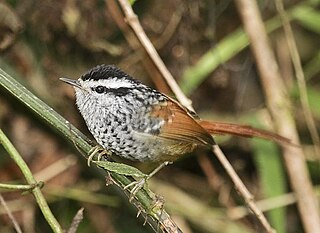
<point>98,151</point>
<point>139,184</point>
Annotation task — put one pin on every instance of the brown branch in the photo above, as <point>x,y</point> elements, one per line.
<point>215,181</point>
<point>300,76</point>
<point>242,189</point>
<point>279,106</point>
<point>10,215</point>
<point>77,219</point>
<point>117,16</point>
<point>140,53</point>
<point>134,23</point>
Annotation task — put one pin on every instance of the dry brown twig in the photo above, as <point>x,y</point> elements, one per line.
<point>139,53</point>
<point>295,57</point>
<point>133,21</point>
<point>77,219</point>
<point>242,189</point>
<point>10,215</point>
<point>216,182</point>
<point>279,106</point>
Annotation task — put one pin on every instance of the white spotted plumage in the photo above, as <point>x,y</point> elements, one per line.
<point>120,123</point>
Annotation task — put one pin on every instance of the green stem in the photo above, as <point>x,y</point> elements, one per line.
<point>44,111</point>
<point>55,226</point>
<point>21,187</point>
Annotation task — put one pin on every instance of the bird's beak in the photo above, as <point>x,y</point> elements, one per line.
<point>72,82</point>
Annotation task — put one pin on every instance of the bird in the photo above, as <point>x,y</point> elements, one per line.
<point>137,122</point>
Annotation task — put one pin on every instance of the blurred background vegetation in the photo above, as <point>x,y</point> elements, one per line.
<point>202,43</point>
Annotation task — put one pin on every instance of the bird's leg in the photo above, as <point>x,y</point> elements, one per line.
<point>127,170</point>
<point>137,185</point>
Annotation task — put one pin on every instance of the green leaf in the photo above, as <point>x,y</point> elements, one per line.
<point>308,17</point>
<point>312,67</point>
<point>272,177</point>
<point>121,169</point>
<point>219,54</point>
<point>132,2</point>
<point>268,161</point>
<point>313,97</point>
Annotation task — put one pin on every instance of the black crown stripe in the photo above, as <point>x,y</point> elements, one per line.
<point>105,72</point>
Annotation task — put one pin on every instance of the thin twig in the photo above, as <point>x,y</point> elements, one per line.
<point>134,23</point>
<point>15,205</point>
<point>295,57</point>
<point>215,181</point>
<point>204,217</point>
<point>140,54</point>
<point>268,204</point>
<point>116,14</point>
<point>55,168</point>
<point>241,188</point>
<point>12,218</point>
<point>213,178</point>
<point>77,219</point>
<point>278,104</point>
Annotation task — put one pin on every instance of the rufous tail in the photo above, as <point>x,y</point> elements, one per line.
<point>223,128</point>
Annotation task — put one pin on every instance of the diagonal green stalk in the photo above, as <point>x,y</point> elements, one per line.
<point>44,111</point>
<point>143,201</point>
<point>237,41</point>
<point>55,226</point>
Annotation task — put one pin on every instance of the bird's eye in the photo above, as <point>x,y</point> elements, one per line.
<point>100,89</point>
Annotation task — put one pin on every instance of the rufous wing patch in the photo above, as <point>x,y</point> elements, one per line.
<point>180,126</point>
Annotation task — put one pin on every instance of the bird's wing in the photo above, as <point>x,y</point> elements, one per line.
<point>179,124</point>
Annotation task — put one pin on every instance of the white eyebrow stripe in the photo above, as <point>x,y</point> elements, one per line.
<point>108,83</point>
